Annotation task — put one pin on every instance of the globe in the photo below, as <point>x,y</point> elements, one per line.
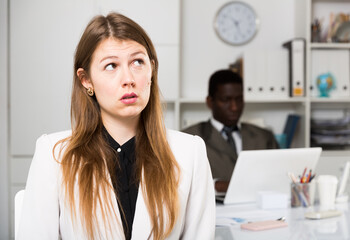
<point>325,83</point>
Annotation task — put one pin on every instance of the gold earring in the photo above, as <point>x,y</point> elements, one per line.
<point>90,91</point>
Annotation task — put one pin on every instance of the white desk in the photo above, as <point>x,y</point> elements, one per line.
<point>299,228</point>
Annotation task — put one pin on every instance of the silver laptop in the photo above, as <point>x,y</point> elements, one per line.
<point>267,170</point>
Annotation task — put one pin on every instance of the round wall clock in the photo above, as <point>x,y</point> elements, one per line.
<point>236,23</point>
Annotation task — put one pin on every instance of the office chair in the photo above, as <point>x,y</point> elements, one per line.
<point>18,209</point>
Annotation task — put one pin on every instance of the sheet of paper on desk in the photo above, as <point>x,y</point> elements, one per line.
<point>229,218</point>
<point>243,214</point>
<point>225,222</point>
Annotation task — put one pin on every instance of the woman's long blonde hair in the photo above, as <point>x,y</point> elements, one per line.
<point>87,155</point>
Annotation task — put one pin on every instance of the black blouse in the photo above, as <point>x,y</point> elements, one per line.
<point>127,187</point>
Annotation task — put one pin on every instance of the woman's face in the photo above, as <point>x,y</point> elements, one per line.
<point>120,74</point>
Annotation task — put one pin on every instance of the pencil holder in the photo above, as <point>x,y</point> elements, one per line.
<point>303,194</point>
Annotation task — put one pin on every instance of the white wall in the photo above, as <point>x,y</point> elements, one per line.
<point>4,190</point>
<point>41,48</point>
<point>203,52</point>
<point>43,36</point>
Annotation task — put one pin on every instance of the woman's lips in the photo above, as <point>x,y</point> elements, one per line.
<point>129,98</point>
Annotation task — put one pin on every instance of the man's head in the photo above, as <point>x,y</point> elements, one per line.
<point>225,97</point>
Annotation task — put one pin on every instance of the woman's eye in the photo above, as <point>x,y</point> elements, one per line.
<point>110,67</point>
<point>138,62</point>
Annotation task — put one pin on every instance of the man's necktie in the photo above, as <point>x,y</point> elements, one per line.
<point>228,132</point>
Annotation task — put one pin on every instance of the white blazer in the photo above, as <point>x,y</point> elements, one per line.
<point>46,216</point>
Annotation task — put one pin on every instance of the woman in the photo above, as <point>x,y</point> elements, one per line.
<point>118,174</point>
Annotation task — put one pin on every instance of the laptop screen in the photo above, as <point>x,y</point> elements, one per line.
<point>267,170</point>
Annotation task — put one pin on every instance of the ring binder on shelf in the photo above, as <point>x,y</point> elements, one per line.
<point>265,74</point>
<point>290,127</point>
<point>297,61</point>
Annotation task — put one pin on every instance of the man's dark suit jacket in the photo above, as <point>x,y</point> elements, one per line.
<point>222,157</point>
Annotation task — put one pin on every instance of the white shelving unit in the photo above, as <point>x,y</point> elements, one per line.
<point>273,112</point>
<point>332,106</point>
<point>270,113</point>
<point>314,45</point>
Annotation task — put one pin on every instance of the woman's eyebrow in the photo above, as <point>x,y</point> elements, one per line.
<point>108,57</point>
<point>138,52</point>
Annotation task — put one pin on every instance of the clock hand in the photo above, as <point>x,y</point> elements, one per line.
<point>236,23</point>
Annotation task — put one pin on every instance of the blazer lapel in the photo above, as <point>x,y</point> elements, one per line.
<point>215,140</point>
<point>141,227</point>
<point>249,139</point>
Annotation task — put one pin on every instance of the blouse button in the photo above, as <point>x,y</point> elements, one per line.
<point>119,150</point>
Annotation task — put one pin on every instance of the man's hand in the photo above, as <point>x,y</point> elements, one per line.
<point>221,186</point>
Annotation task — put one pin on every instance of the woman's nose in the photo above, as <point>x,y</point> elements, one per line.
<point>127,78</point>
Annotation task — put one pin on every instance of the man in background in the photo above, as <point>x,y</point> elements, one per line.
<point>223,134</point>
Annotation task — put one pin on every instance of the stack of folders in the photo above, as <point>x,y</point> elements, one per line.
<point>265,74</point>
<point>331,133</point>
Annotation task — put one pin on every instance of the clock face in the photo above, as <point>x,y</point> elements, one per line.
<point>236,23</point>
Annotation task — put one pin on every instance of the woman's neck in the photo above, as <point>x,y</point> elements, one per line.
<point>121,131</point>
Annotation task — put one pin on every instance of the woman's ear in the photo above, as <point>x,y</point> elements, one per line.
<point>84,79</point>
<point>153,65</point>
